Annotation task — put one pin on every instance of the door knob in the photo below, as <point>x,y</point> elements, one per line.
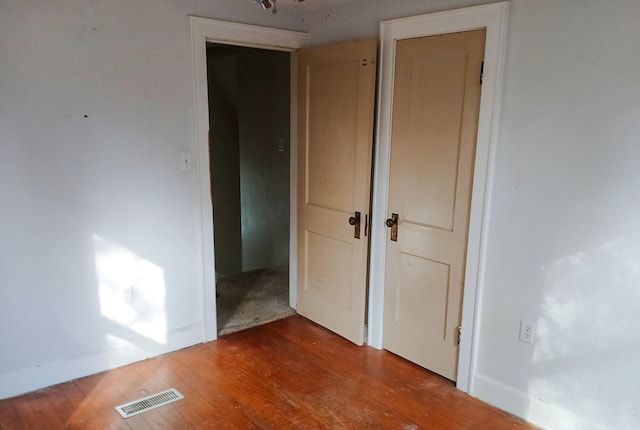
<point>392,223</point>
<point>355,222</point>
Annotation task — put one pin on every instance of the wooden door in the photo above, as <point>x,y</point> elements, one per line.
<point>336,90</point>
<point>435,116</point>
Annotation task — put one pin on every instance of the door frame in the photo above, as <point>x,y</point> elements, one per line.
<point>205,30</point>
<point>493,17</point>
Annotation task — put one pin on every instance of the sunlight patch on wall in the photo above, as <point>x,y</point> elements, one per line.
<point>587,332</point>
<point>132,290</point>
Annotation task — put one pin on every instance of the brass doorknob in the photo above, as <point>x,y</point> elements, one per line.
<point>355,222</point>
<point>392,223</point>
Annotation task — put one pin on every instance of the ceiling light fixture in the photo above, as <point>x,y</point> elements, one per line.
<point>268,4</point>
<point>271,4</point>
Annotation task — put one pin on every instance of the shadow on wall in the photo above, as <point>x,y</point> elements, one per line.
<point>249,110</point>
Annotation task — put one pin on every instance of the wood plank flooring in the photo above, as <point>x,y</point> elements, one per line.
<point>289,374</point>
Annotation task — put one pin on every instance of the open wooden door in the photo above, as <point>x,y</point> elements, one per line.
<point>336,93</point>
<point>435,118</point>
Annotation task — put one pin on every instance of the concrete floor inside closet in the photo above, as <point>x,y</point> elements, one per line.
<point>252,298</point>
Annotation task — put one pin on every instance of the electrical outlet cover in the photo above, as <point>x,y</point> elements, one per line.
<point>127,295</point>
<point>527,331</point>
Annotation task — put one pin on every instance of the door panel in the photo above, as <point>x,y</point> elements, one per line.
<point>336,89</point>
<point>430,108</point>
<point>333,110</point>
<point>435,115</point>
<point>330,259</point>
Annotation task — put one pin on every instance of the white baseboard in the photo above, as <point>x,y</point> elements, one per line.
<point>33,378</point>
<point>530,408</point>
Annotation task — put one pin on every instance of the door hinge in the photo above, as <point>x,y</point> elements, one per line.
<point>481,72</point>
<point>459,334</point>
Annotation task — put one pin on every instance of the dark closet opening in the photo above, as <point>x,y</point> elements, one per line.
<point>249,122</point>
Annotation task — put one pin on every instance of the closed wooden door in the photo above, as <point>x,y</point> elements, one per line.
<point>435,116</point>
<point>336,90</point>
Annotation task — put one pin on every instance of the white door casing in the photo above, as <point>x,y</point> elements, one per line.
<point>205,30</point>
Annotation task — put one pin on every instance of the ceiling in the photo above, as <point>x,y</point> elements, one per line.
<point>309,5</point>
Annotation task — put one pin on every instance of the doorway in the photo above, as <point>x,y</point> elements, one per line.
<point>249,158</point>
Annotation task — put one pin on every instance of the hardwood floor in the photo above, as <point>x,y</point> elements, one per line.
<point>289,374</point>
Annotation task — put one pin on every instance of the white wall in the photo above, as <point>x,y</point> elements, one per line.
<point>360,19</point>
<point>564,241</point>
<point>564,250</point>
<point>95,106</point>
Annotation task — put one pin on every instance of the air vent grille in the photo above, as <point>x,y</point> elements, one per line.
<point>147,403</point>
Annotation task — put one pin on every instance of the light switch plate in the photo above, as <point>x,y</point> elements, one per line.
<point>186,161</point>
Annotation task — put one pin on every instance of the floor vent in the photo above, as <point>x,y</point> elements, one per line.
<point>147,403</point>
